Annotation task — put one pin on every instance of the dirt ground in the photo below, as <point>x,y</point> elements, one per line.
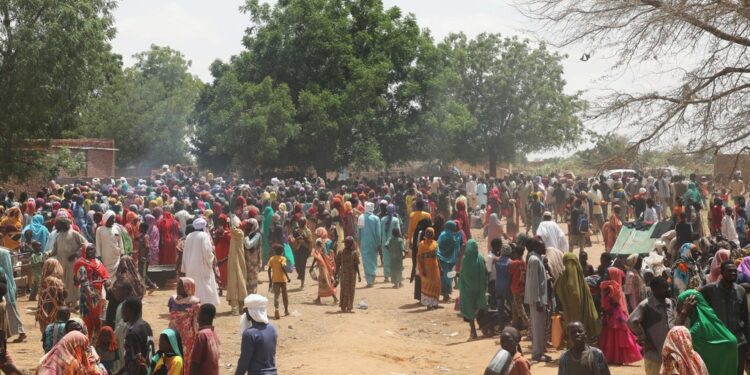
<point>393,336</point>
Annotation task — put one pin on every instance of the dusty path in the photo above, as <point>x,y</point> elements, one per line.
<point>394,335</point>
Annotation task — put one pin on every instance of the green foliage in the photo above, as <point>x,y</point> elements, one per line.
<point>512,98</point>
<point>352,70</point>
<point>146,109</point>
<point>53,54</point>
<point>62,160</point>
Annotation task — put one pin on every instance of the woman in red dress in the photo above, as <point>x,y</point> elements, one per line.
<point>616,341</point>
<point>222,237</point>
<point>169,234</point>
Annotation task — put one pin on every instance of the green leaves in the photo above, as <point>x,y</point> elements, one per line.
<point>53,55</point>
<point>147,109</point>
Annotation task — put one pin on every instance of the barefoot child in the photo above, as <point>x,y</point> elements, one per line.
<point>278,276</point>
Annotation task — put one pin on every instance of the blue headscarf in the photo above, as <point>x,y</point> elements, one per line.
<point>6,268</point>
<point>449,243</point>
<point>39,232</point>
<point>390,210</point>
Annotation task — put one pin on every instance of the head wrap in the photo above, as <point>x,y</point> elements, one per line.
<point>256,308</point>
<point>199,224</point>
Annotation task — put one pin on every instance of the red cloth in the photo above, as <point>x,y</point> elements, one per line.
<point>618,344</point>
<point>222,238</point>
<point>717,214</point>
<point>205,354</point>
<point>517,275</point>
<point>168,235</point>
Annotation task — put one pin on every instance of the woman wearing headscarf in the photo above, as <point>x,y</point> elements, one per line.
<point>710,337</point>
<point>236,267</point>
<point>677,354</point>
<point>555,262</point>
<point>51,293</point>
<point>389,221</point>
<point>132,225</point>
<point>720,257</point>
<point>461,217</point>
<point>15,326</point>
<point>743,270</point>
<point>153,239</point>
<point>183,315</point>
<point>347,266</point>
<point>575,296</point>
<point>416,238</point>
<point>472,285</point>
<point>616,341</point>
<point>428,269</point>
<point>221,239</point>
<point>348,221</point>
<point>369,242</point>
<point>494,228</point>
<point>12,224</point>
<point>71,355</point>
<point>39,232</point>
<point>326,269</point>
<point>634,287</point>
<point>685,271</point>
<point>127,271</point>
<point>169,233</point>
<point>91,276</point>
<point>611,228</point>
<point>253,261</point>
<point>267,225</point>
<point>168,359</point>
<point>449,248</point>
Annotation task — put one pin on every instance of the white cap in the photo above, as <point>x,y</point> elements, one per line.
<point>256,307</point>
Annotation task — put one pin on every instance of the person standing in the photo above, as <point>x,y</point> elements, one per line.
<point>448,250</point>
<point>183,313</point>
<point>387,224</point>
<point>428,269</point>
<point>472,286</point>
<point>368,233</point>
<point>616,341</point>
<point>535,295</point>
<point>575,296</point>
<point>347,266</point>
<point>258,348</point>
<point>139,339</point>
<point>729,303</point>
<point>551,233</point>
<point>711,338</point>
<point>91,276</point>
<point>678,354</point>
<point>67,247</point>
<point>109,245</point>
<point>302,243</point>
<point>204,359</point>
<point>581,359</point>
<point>10,313</point>
<point>253,261</point>
<point>237,267</point>
<point>508,360</point>
<point>396,248</point>
<point>197,262</point>
<point>326,269</point>
<point>650,321</point>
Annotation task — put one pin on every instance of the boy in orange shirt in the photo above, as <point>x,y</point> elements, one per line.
<point>278,276</point>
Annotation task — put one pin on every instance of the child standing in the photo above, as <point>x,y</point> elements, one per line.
<point>278,276</point>
<point>107,348</point>
<point>517,280</point>
<point>397,249</point>
<point>35,263</point>
<point>55,330</point>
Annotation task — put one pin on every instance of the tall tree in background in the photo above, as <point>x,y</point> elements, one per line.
<point>53,55</point>
<point>146,109</point>
<point>350,69</point>
<point>513,94</point>
<point>702,43</point>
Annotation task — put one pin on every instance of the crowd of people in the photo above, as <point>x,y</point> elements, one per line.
<point>86,249</point>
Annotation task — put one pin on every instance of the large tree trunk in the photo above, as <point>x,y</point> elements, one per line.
<point>493,161</point>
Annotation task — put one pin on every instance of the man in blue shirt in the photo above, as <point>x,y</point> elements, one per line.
<point>258,350</point>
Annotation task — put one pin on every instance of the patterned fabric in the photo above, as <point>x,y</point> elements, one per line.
<point>677,354</point>
<point>183,318</point>
<point>348,263</point>
<point>325,274</point>
<point>51,293</point>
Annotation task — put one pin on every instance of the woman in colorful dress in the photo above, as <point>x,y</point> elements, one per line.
<point>51,293</point>
<point>90,276</point>
<point>429,270</point>
<point>169,233</point>
<point>183,316</point>
<point>616,341</point>
<point>326,269</point>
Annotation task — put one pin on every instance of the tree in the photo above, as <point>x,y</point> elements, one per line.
<point>147,109</point>
<point>514,96</point>
<point>351,70</point>
<point>53,55</point>
<point>704,43</point>
<point>242,125</point>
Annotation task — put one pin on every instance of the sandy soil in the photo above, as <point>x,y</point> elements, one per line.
<point>393,336</point>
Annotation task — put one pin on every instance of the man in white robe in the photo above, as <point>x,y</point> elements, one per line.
<point>551,233</point>
<point>109,245</point>
<point>197,263</point>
